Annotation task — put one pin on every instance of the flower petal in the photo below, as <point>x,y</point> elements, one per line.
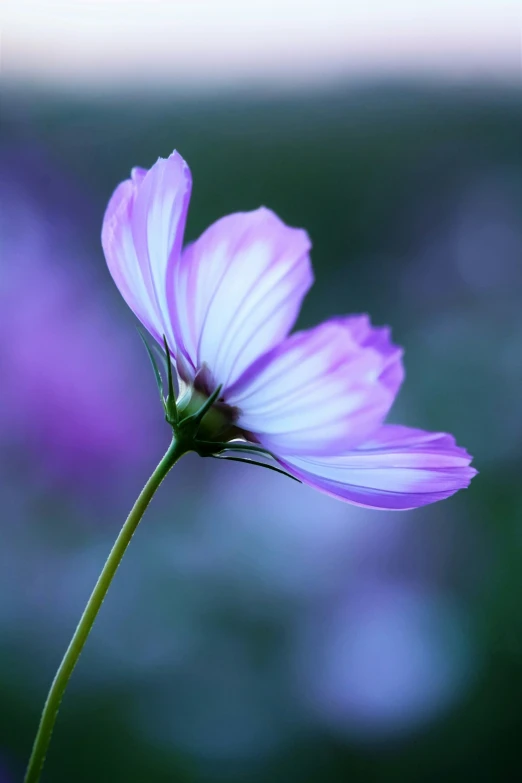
<point>379,339</point>
<point>238,290</point>
<point>399,468</point>
<point>322,389</point>
<point>142,235</point>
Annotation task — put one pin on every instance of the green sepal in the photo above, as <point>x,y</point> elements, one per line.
<point>260,465</point>
<point>193,421</point>
<point>239,446</point>
<point>157,374</point>
<point>171,410</point>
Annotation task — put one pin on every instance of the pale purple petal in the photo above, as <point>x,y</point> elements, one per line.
<point>399,468</point>
<point>379,339</point>
<point>142,236</point>
<point>238,290</point>
<point>322,390</point>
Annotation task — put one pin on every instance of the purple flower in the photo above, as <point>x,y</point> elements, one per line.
<point>226,303</point>
<point>383,660</point>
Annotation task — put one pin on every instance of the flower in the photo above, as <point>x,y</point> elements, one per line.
<point>315,400</point>
<point>347,682</point>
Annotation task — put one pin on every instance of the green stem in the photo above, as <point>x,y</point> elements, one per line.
<point>52,705</point>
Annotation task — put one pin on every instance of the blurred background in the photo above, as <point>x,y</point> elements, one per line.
<point>257,631</point>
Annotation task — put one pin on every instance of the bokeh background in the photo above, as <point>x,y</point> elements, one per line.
<point>259,632</point>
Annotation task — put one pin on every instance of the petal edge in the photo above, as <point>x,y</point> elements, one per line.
<point>398,469</point>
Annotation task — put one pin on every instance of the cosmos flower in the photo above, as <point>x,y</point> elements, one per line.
<point>315,400</point>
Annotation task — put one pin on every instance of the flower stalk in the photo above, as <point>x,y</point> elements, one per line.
<point>50,711</point>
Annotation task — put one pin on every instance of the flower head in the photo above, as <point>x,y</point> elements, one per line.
<point>315,400</point>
